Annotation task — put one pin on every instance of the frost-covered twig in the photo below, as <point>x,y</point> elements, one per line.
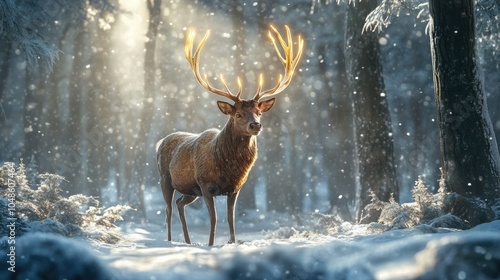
<point>381,17</point>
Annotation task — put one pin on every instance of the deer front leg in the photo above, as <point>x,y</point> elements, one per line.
<point>181,204</point>
<point>209,201</point>
<point>168,195</point>
<point>231,202</point>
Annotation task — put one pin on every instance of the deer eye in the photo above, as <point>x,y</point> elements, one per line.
<point>238,115</point>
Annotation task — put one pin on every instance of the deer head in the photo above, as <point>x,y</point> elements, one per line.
<point>245,114</point>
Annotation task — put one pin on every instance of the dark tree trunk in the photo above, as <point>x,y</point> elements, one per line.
<point>99,110</point>
<point>373,134</point>
<point>71,165</point>
<point>56,91</point>
<point>33,105</point>
<point>469,152</point>
<point>339,156</point>
<point>273,161</point>
<point>142,166</point>
<point>6,45</point>
<point>295,191</point>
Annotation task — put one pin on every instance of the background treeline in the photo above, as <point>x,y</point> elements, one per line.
<point>88,88</point>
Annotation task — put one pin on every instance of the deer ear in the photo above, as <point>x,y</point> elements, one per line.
<point>225,108</point>
<point>265,106</point>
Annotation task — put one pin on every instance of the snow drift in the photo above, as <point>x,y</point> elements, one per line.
<point>422,252</point>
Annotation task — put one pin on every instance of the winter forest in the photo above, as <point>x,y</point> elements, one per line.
<point>388,131</point>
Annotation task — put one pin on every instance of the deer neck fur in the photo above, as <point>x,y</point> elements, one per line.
<point>234,155</point>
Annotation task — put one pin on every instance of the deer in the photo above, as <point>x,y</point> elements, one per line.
<point>217,162</point>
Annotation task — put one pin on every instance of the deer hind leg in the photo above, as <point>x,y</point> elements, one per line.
<point>182,202</point>
<point>168,195</point>
<point>209,201</point>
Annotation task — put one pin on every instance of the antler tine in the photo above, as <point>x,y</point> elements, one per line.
<point>203,81</point>
<point>289,62</point>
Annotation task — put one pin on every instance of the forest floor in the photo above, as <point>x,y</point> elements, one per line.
<point>269,246</point>
<point>358,252</point>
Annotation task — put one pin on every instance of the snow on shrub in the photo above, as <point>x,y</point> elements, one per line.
<point>442,209</point>
<point>41,207</point>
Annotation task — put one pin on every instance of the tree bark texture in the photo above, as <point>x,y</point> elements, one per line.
<point>140,162</point>
<point>6,45</point>
<point>373,133</point>
<point>469,152</point>
<point>339,155</point>
<point>72,164</point>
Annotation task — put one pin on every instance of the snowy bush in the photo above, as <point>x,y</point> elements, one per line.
<point>283,233</point>
<point>442,209</point>
<point>41,207</point>
<point>327,224</point>
<point>430,206</point>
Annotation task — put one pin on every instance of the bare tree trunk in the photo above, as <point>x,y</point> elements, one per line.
<point>338,156</point>
<point>374,144</point>
<point>142,167</point>
<point>72,163</point>
<point>6,45</point>
<point>469,151</point>
<point>33,104</point>
<point>56,89</point>
<point>99,110</point>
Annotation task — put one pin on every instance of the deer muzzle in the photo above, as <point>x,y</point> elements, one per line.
<point>255,128</point>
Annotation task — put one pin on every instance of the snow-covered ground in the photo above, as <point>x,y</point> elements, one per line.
<point>270,246</point>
